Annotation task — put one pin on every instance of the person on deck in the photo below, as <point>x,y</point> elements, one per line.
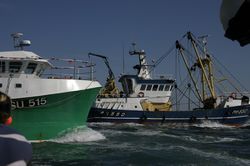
<point>15,150</point>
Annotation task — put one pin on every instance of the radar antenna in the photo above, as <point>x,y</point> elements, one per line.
<point>18,42</point>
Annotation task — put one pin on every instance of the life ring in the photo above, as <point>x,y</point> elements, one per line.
<point>140,94</point>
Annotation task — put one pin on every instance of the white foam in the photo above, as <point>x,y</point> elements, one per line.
<point>92,124</point>
<point>133,124</point>
<point>189,138</point>
<point>247,124</point>
<point>79,134</point>
<point>222,156</point>
<point>147,133</point>
<point>109,124</point>
<point>210,124</point>
<point>228,140</point>
<point>211,139</point>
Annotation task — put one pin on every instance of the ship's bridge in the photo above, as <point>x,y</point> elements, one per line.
<point>134,86</point>
<point>18,63</point>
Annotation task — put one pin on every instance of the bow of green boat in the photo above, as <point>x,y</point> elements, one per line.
<point>46,100</point>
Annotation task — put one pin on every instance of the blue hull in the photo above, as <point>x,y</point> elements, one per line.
<point>231,116</point>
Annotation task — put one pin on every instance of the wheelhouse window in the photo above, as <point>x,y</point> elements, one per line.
<point>166,88</point>
<point>40,72</point>
<point>161,87</point>
<point>31,68</point>
<point>149,87</point>
<point>15,66</point>
<point>2,66</point>
<point>155,87</point>
<point>171,87</point>
<point>143,87</point>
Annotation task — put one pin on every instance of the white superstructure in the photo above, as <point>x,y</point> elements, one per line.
<point>140,91</point>
<point>21,76</point>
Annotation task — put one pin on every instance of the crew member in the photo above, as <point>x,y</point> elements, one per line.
<point>15,150</point>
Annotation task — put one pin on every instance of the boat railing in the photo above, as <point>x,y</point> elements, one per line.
<point>70,69</point>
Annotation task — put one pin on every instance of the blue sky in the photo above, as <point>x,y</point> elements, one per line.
<point>72,28</point>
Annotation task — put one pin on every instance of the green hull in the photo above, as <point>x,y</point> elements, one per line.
<point>44,117</point>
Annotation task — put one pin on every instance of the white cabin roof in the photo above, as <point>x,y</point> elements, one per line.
<point>23,55</point>
<point>19,55</point>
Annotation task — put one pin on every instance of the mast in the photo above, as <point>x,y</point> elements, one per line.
<point>202,63</point>
<point>181,49</point>
<point>142,67</point>
<point>205,68</point>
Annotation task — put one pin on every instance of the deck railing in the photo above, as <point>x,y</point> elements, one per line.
<point>70,69</point>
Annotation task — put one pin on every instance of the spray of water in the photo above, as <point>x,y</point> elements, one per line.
<point>78,135</point>
<point>211,124</point>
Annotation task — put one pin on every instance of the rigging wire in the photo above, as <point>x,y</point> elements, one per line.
<point>242,86</point>
<point>237,80</point>
<point>178,67</point>
<point>182,92</point>
<point>221,81</point>
<point>165,55</point>
<point>184,95</point>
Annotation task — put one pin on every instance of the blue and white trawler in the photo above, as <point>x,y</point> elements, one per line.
<point>147,100</point>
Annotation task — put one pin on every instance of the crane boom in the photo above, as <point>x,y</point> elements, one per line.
<point>110,88</point>
<point>105,59</point>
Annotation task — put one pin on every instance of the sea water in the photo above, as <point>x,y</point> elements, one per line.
<point>136,144</point>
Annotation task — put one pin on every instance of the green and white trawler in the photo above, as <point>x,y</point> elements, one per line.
<point>43,106</point>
